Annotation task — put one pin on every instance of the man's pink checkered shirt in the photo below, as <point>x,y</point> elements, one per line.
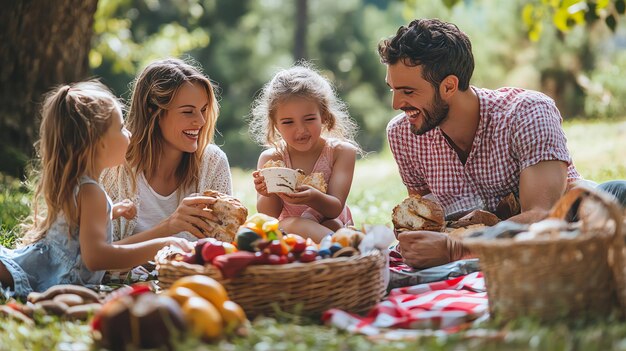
<point>517,129</point>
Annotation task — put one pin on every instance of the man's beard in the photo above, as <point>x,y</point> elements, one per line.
<point>430,120</point>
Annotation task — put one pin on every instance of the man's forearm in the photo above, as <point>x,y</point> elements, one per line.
<point>530,216</point>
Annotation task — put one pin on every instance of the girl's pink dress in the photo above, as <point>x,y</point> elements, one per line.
<point>323,165</point>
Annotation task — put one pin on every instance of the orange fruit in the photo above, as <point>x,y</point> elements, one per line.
<point>205,287</point>
<point>181,294</point>
<point>233,316</point>
<point>204,319</point>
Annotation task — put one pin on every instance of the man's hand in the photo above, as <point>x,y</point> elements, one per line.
<point>423,249</point>
<point>125,208</point>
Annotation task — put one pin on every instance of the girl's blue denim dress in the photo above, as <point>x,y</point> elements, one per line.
<point>53,260</point>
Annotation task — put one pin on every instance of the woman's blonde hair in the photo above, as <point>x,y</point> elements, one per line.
<point>301,80</point>
<point>73,119</point>
<point>153,91</point>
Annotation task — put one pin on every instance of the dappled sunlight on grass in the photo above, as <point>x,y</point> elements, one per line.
<point>598,148</point>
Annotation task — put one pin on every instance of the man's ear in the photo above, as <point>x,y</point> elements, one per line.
<point>449,85</point>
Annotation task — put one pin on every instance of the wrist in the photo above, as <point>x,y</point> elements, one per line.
<point>456,249</point>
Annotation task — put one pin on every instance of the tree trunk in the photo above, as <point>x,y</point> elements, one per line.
<point>43,43</point>
<point>302,22</point>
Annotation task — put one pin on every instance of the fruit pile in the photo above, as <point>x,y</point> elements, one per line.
<point>260,241</point>
<point>137,317</point>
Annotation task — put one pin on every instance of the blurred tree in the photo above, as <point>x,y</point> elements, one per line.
<point>43,43</point>
<point>302,22</point>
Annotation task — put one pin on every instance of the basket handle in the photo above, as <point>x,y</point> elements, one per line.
<point>567,209</point>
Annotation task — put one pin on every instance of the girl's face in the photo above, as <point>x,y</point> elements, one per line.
<point>299,122</point>
<point>184,117</point>
<point>114,142</point>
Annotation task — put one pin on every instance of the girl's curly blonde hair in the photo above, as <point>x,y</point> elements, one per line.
<point>301,80</point>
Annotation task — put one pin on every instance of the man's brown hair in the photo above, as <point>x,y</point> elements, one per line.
<point>441,48</point>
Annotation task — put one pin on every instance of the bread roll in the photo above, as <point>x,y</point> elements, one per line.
<point>230,213</point>
<point>315,180</point>
<point>418,213</point>
<point>274,163</point>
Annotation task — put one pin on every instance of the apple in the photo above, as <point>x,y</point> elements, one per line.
<point>198,248</point>
<point>274,259</point>
<point>191,258</point>
<point>308,256</point>
<point>211,250</point>
<point>275,247</point>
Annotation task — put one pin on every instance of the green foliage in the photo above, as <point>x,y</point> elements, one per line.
<point>566,14</point>
<point>606,96</point>
<point>14,207</point>
<point>241,44</point>
<point>123,43</point>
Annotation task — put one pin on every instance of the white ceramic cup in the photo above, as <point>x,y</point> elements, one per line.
<point>280,179</point>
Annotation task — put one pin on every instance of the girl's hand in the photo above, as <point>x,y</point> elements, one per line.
<point>181,243</point>
<point>190,216</point>
<point>304,196</point>
<point>125,208</point>
<point>259,183</point>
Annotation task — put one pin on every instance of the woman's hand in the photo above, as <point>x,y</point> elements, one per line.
<point>259,183</point>
<point>125,208</point>
<point>181,243</point>
<point>190,216</point>
<point>304,196</point>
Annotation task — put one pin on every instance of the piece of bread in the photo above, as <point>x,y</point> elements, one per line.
<point>315,180</point>
<point>418,213</point>
<point>230,213</point>
<point>274,163</point>
<point>508,207</point>
<point>475,217</point>
<point>462,232</point>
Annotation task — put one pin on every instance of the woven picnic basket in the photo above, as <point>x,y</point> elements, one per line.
<point>354,284</point>
<point>557,278</point>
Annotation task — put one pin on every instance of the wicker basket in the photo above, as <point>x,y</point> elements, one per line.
<point>353,284</point>
<point>551,279</point>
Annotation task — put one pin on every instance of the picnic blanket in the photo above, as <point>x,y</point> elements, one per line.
<point>401,274</point>
<point>448,305</point>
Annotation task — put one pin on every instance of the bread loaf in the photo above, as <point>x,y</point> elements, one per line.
<point>418,213</point>
<point>230,215</point>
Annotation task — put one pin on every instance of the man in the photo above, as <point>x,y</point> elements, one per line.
<point>465,146</point>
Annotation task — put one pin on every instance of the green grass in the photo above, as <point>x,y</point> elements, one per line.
<point>598,152</point>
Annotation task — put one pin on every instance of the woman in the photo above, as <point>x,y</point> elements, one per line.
<point>171,157</point>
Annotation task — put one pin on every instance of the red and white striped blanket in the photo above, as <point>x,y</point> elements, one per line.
<point>448,305</point>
